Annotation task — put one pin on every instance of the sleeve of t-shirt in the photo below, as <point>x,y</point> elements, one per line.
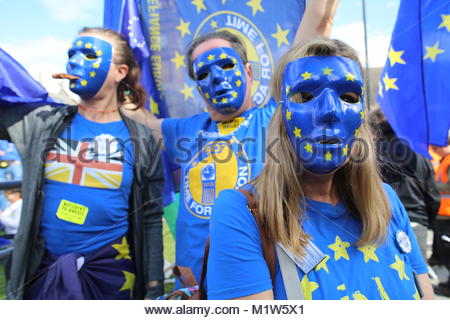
<point>401,220</point>
<point>236,265</point>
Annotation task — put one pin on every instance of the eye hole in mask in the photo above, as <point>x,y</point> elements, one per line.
<point>301,97</point>
<point>91,56</point>
<point>202,76</point>
<point>350,97</point>
<point>228,66</point>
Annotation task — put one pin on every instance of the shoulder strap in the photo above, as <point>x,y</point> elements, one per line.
<point>290,276</point>
<point>267,244</point>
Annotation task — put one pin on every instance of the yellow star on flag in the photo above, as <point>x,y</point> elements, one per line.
<point>445,21</point>
<point>369,253</point>
<point>199,4</point>
<point>88,45</point>
<point>214,24</point>
<point>306,75</point>
<point>328,156</point>
<point>178,60</point>
<point>399,266</point>
<point>187,91</point>
<point>154,107</point>
<point>234,94</point>
<point>84,83</point>
<point>129,282</point>
<point>183,27</point>
<point>211,57</point>
<point>340,249</point>
<point>322,264</point>
<point>281,36</point>
<point>99,53</point>
<point>96,65</point>
<point>308,287</point>
<point>327,71</point>
<point>345,150</point>
<point>308,148</point>
<point>288,114</point>
<point>79,43</point>
<point>92,74</point>
<point>389,83</point>
<point>395,56</point>
<point>432,52</point>
<point>123,249</point>
<point>238,83</point>
<point>350,77</point>
<point>297,132</point>
<point>256,6</point>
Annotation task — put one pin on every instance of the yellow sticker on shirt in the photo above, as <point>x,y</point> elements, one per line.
<point>227,127</point>
<point>72,212</point>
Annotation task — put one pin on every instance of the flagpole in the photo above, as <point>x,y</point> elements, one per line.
<point>367,85</point>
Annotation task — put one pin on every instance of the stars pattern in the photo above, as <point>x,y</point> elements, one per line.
<point>183,27</point>
<point>340,249</point>
<point>395,56</point>
<point>92,74</point>
<point>281,36</point>
<point>369,253</point>
<point>199,4</point>
<point>123,249</point>
<point>306,75</point>
<point>187,91</point>
<point>214,24</point>
<point>238,83</point>
<point>328,156</point>
<point>297,132</point>
<point>308,287</point>
<point>345,150</point>
<point>154,107</point>
<point>129,282</point>
<point>238,73</point>
<point>224,100</point>
<point>357,132</point>
<point>363,114</point>
<point>445,22</point>
<point>288,115</point>
<point>432,52</point>
<point>234,94</point>
<point>381,290</point>
<point>350,77</point>
<point>327,71</point>
<point>223,56</point>
<point>211,57</point>
<point>178,60</point>
<point>79,43</point>
<point>389,83</point>
<point>399,266</point>
<point>256,6</point>
<point>88,45</point>
<point>99,53</point>
<point>84,83</point>
<point>96,65</point>
<point>323,264</point>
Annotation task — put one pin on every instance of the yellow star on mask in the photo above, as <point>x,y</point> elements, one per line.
<point>178,60</point>
<point>297,132</point>
<point>234,94</point>
<point>395,56</point>
<point>327,71</point>
<point>308,147</point>
<point>207,95</point>
<point>99,53</point>
<point>88,45</point>
<point>308,287</point>
<point>345,150</point>
<point>92,74</point>
<point>432,52</point>
<point>340,249</point>
<point>224,100</point>
<point>200,64</point>
<point>363,114</point>
<point>389,83</point>
<point>223,56</point>
<point>199,4</point>
<point>79,43</point>
<point>211,57</point>
<point>238,73</point>
<point>154,107</point>
<point>306,75</point>
<point>84,83</point>
<point>183,27</point>
<point>214,24</point>
<point>234,60</point>
<point>369,253</point>
<point>238,83</point>
<point>96,65</point>
<point>322,264</point>
<point>288,89</point>
<point>187,91</point>
<point>288,115</point>
<point>281,36</point>
<point>445,22</point>
<point>129,282</point>
<point>399,266</point>
<point>350,77</point>
<point>72,85</point>
<point>255,5</point>
<point>328,156</point>
<point>214,100</point>
<point>123,249</point>
<point>357,132</point>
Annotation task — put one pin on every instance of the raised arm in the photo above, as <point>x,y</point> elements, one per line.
<point>317,19</point>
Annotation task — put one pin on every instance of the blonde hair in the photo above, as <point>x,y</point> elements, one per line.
<point>280,195</point>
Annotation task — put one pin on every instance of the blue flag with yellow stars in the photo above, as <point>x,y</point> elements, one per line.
<point>414,88</point>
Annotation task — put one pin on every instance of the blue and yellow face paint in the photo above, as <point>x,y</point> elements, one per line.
<point>220,75</point>
<point>90,59</point>
<point>323,109</point>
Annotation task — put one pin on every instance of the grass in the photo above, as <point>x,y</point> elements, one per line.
<point>2,283</point>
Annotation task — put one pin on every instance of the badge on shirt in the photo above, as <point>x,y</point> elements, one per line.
<point>403,241</point>
<point>72,212</point>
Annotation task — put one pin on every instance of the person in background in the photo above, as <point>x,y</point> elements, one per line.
<point>319,197</point>
<point>410,174</point>
<point>10,217</point>
<point>91,225</point>
<point>10,167</point>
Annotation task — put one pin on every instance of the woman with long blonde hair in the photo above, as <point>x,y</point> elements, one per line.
<point>320,199</point>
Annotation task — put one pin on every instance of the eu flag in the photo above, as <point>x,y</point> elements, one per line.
<point>414,89</point>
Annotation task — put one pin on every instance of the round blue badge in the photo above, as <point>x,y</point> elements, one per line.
<point>403,241</point>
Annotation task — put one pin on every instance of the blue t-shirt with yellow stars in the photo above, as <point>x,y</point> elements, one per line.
<point>213,156</point>
<point>236,266</point>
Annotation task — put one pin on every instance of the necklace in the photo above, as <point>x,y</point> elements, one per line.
<point>96,111</point>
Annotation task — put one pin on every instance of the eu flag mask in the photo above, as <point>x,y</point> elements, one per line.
<point>322,104</point>
<point>90,59</point>
<point>220,75</point>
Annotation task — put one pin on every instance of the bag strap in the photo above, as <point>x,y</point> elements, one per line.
<point>290,276</point>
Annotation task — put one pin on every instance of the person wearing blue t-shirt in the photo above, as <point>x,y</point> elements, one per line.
<point>224,147</point>
<point>338,232</point>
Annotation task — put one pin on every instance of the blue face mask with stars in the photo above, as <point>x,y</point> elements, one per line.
<point>322,105</point>
<point>220,75</point>
<point>90,59</point>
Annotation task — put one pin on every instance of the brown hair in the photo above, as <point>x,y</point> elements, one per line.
<point>129,89</point>
<point>358,184</point>
<point>235,41</point>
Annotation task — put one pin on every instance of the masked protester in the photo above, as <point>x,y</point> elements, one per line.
<point>91,216</point>
<point>319,198</point>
